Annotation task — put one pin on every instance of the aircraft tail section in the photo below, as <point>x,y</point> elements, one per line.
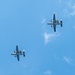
<point>61,23</point>
<point>23,53</point>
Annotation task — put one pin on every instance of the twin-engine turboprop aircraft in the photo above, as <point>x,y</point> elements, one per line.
<point>54,22</point>
<point>18,52</point>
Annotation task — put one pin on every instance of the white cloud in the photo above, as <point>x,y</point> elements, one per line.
<point>72,13</point>
<point>68,60</point>
<point>48,37</point>
<point>70,9</point>
<point>43,21</point>
<point>48,73</point>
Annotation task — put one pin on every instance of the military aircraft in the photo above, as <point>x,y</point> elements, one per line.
<point>18,52</point>
<point>54,22</point>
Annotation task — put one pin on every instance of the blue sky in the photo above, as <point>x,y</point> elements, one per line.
<point>24,23</point>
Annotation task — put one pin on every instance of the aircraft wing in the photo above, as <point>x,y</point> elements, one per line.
<point>54,28</point>
<point>16,48</point>
<point>18,57</point>
<point>54,17</point>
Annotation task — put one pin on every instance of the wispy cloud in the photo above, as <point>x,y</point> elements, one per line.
<point>48,37</point>
<point>43,21</point>
<point>71,5</point>
<point>70,9</point>
<point>68,60</point>
<point>48,72</point>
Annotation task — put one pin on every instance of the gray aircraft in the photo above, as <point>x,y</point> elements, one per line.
<point>18,52</point>
<point>54,22</point>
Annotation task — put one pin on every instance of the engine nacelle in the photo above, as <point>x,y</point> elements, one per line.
<point>57,21</point>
